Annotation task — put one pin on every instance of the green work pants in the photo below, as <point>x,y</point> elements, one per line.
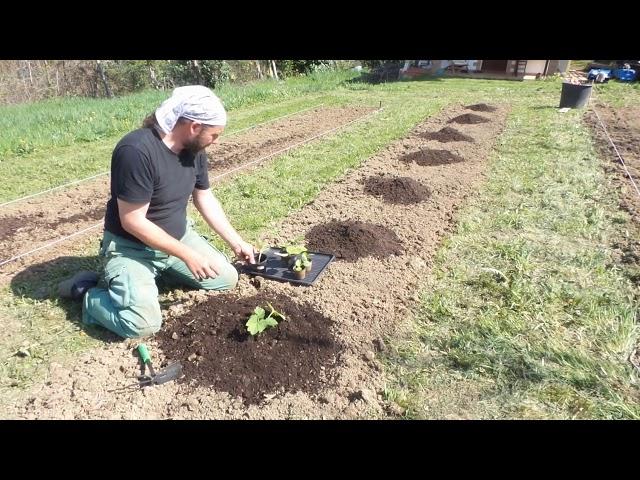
<point>129,305</point>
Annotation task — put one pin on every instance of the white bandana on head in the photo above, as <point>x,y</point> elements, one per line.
<point>193,102</point>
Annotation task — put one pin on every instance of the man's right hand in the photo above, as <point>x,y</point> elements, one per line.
<point>202,267</point>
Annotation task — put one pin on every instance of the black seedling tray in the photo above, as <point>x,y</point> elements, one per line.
<point>277,269</point>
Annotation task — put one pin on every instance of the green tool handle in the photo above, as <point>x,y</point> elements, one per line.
<point>144,353</point>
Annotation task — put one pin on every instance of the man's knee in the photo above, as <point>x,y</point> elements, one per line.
<point>226,280</point>
<point>142,320</point>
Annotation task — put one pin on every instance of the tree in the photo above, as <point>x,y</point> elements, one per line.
<point>371,64</point>
<point>274,70</point>
<point>302,67</point>
<point>103,77</point>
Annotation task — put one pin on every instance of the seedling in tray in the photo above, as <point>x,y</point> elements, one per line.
<point>260,257</point>
<point>290,250</point>
<point>258,323</point>
<point>293,249</point>
<point>301,265</point>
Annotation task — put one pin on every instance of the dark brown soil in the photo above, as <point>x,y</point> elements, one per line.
<point>353,239</point>
<point>481,107</point>
<point>94,214</point>
<point>431,157</point>
<point>623,126</point>
<point>11,225</point>
<point>37,221</point>
<point>215,349</point>
<point>469,119</point>
<point>448,134</point>
<point>399,190</point>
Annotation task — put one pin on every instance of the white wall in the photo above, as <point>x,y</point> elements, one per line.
<point>535,66</point>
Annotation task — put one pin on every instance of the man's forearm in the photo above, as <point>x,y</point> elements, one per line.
<point>212,212</point>
<point>155,237</point>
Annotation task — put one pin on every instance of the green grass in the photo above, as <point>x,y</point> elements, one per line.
<point>617,94</point>
<point>550,342</point>
<point>28,128</point>
<point>51,143</point>
<point>57,166</point>
<point>579,64</point>
<point>526,314</point>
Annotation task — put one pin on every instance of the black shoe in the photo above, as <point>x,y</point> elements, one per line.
<point>76,286</point>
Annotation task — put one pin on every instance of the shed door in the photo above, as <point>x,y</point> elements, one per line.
<point>494,65</point>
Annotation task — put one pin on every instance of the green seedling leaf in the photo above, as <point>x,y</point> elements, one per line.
<point>262,247</point>
<point>257,323</point>
<point>253,324</point>
<point>295,249</point>
<point>269,322</point>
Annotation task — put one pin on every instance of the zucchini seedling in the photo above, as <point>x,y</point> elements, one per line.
<point>260,257</point>
<point>301,265</point>
<point>258,323</point>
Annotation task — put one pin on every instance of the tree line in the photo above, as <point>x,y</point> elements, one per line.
<point>32,80</point>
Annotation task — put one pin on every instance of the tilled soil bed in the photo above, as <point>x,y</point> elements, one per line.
<point>432,157</point>
<point>623,126</point>
<point>350,240</point>
<point>363,299</point>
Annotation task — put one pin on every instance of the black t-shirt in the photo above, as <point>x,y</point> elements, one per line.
<point>145,170</point>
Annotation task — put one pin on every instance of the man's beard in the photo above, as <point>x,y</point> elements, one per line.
<point>195,146</point>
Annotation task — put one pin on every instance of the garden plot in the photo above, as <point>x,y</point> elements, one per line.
<point>332,330</point>
<point>218,351</point>
<point>34,222</point>
<point>623,126</point>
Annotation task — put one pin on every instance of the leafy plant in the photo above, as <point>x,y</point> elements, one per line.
<point>258,323</point>
<point>294,249</point>
<point>262,247</point>
<point>301,262</point>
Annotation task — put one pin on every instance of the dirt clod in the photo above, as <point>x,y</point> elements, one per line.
<point>432,157</point>
<point>398,190</point>
<point>351,240</point>
<point>448,134</point>
<point>469,119</point>
<point>481,107</point>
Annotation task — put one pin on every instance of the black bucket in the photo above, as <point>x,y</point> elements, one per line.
<point>575,96</point>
